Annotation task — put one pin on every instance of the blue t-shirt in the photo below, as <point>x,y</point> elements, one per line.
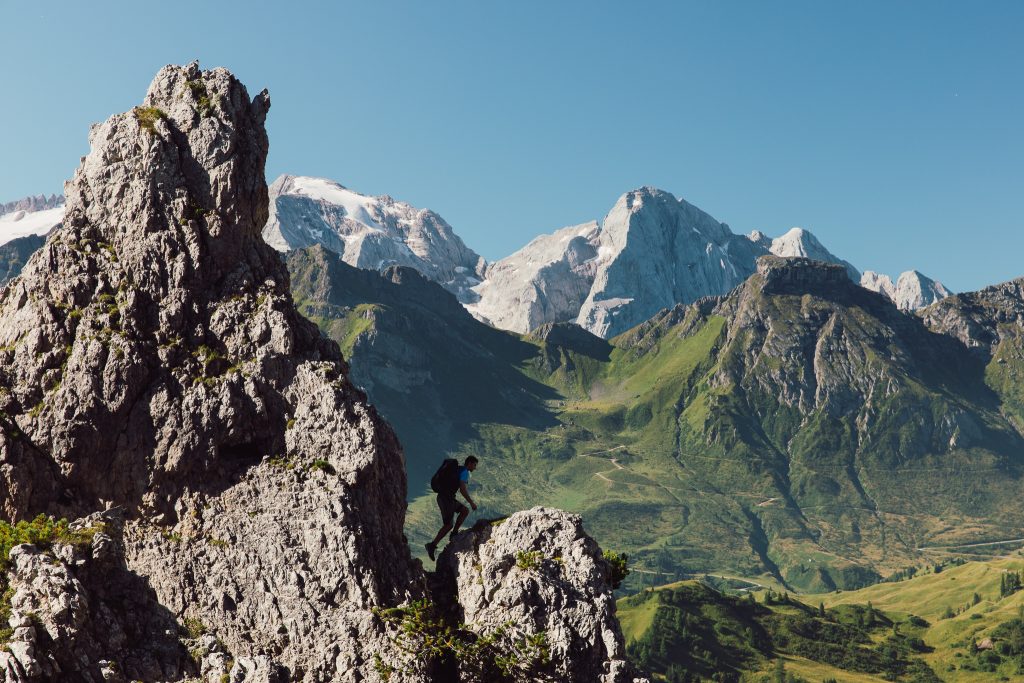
<point>464,474</point>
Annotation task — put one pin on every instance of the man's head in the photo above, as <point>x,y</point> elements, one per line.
<point>471,462</point>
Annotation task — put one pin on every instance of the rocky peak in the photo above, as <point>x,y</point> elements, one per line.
<point>369,232</point>
<point>152,358</point>
<point>983,319</point>
<point>651,251</point>
<point>911,291</point>
<point>32,204</point>
<point>799,243</point>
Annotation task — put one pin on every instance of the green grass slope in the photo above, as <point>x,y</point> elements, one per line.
<point>964,606</point>
<point>801,432</point>
<point>688,631</point>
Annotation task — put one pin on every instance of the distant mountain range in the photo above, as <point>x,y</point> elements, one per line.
<point>651,251</point>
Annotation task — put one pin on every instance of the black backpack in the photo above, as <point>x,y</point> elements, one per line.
<point>446,479</point>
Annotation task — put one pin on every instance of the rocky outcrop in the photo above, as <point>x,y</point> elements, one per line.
<point>539,572</point>
<point>152,358</point>
<point>77,613</point>
<point>369,232</point>
<point>981,320</point>
<point>911,291</point>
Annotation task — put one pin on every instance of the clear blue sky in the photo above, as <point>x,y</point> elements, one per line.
<point>893,130</point>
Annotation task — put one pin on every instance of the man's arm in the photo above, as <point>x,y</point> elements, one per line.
<point>465,494</point>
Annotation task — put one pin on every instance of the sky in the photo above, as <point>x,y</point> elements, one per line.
<point>894,131</point>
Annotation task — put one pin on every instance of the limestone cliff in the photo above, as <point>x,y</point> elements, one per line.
<point>153,366</point>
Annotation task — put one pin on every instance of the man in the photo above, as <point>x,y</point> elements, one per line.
<point>449,506</point>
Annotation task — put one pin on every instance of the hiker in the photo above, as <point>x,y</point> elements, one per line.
<point>450,479</point>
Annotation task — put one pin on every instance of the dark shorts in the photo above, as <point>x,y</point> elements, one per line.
<point>449,506</point>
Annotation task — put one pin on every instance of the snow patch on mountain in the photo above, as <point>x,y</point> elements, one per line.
<point>22,223</point>
<point>369,232</point>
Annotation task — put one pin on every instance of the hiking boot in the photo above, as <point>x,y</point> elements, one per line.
<point>431,549</point>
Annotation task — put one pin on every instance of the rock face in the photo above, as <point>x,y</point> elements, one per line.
<point>652,251</point>
<point>911,291</point>
<point>540,571</point>
<point>78,612</point>
<point>369,232</point>
<point>152,358</point>
<point>982,320</point>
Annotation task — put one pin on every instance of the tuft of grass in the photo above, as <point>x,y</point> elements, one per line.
<point>528,559</point>
<point>194,628</point>
<point>204,105</point>
<point>147,118</point>
<point>323,466</point>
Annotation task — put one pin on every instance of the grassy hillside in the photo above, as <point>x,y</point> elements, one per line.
<point>964,606</point>
<point>688,631</point>
<point>785,433</point>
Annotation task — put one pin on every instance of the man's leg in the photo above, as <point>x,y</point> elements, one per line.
<point>447,507</point>
<point>463,513</point>
<point>445,529</point>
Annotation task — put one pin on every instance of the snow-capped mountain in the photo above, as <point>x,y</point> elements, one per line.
<point>911,291</point>
<point>650,252</point>
<point>369,232</point>
<point>799,243</point>
<point>21,222</point>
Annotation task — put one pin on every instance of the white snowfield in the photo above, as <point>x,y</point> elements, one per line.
<point>22,223</point>
<point>369,232</point>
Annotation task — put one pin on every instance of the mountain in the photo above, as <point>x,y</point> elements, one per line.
<point>368,232</point>
<point>240,505</point>
<point>416,350</point>
<point>22,226</point>
<point>795,421</point>
<point>990,322</point>
<point>911,291</point>
<point>33,204</point>
<point>652,251</point>
<point>799,243</point>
